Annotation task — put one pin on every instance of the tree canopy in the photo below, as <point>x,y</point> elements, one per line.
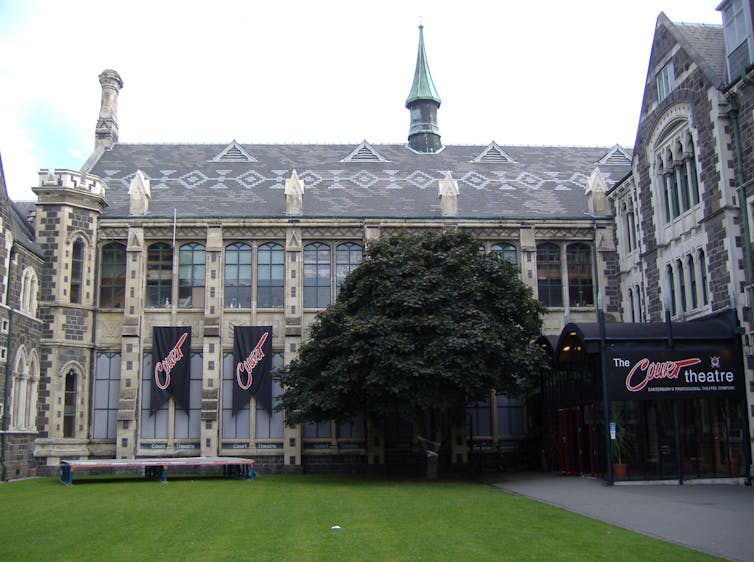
<point>427,322</point>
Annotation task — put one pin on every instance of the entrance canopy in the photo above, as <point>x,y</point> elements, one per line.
<point>660,360</point>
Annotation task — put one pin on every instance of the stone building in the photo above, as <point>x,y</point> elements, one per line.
<point>216,236</point>
<point>22,373</point>
<point>684,249</point>
<point>211,237</point>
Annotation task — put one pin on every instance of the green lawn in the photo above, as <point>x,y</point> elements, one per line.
<point>290,518</point>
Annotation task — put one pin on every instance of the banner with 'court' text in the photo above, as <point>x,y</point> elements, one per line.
<point>171,366</point>
<point>252,357</point>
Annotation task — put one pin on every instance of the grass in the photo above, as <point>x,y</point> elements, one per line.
<point>290,518</point>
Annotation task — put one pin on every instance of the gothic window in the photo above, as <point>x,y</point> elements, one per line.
<point>159,274</point>
<point>25,383</point>
<point>692,283</point>
<point>675,170</point>
<point>106,395</point>
<point>112,286</point>
<point>191,275</point>
<point>347,257</point>
<point>580,287</point>
<point>270,278</point>
<point>630,227</point>
<point>29,287</point>
<point>238,264</point>
<point>639,309</point>
<point>549,280</point>
<point>682,285</point>
<point>507,252</point>
<point>69,404</point>
<point>77,271</point>
<point>316,275</point>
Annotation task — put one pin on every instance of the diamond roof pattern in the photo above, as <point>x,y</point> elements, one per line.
<point>539,182</point>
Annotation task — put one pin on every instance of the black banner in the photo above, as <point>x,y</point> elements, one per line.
<point>252,355</point>
<point>670,374</point>
<point>171,358</point>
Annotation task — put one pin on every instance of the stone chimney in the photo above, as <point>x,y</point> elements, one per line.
<point>106,133</point>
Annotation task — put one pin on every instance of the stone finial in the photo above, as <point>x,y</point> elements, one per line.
<point>596,192</point>
<point>294,195</point>
<point>448,195</point>
<point>106,133</point>
<point>140,193</point>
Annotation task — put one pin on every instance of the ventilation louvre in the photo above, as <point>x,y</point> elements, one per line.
<point>365,152</point>
<point>234,152</point>
<point>493,154</point>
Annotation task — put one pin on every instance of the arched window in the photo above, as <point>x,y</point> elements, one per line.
<point>237,292</point>
<point>316,275</point>
<point>692,283</point>
<point>77,271</point>
<point>159,274</point>
<point>690,160</point>
<point>507,252</point>
<point>703,277</point>
<point>682,285</point>
<point>675,172</point>
<point>580,286</point>
<point>112,286</point>
<point>69,404</point>
<point>631,305</point>
<point>549,280</point>
<point>347,257</point>
<point>191,275</point>
<point>270,278</point>
<point>25,381</point>
<point>639,308</point>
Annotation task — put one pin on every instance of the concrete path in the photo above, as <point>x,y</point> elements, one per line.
<point>716,519</point>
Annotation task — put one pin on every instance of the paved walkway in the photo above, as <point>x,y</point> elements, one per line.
<point>716,519</point>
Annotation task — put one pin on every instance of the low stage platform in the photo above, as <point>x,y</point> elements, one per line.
<point>157,468</point>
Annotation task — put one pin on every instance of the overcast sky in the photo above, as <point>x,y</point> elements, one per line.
<point>551,72</point>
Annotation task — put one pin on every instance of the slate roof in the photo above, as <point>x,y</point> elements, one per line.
<point>247,180</point>
<point>706,45</point>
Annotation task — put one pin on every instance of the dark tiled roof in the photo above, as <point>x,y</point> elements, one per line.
<point>247,180</point>
<point>705,44</point>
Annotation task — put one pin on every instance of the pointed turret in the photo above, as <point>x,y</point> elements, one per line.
<point>423,102</point>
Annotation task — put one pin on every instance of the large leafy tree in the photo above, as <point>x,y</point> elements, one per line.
<point>425,325</point>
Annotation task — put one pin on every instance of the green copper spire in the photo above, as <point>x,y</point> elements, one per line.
<point>423,88</point>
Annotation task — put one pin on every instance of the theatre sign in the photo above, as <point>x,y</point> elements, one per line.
<point>671,374</point>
